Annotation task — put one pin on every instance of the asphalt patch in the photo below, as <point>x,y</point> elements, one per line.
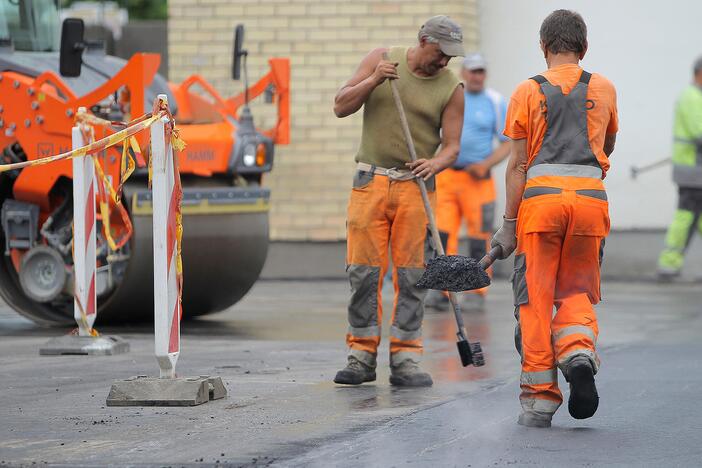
<point>453,273</point>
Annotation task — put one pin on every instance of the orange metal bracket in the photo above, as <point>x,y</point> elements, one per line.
<point>51,78</point>
<point>220,103</point>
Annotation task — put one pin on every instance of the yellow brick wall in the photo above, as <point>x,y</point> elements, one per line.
<point>325,40</point>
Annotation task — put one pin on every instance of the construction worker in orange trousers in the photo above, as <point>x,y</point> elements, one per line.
<point>466,191</point>
<point>385,208</point>
<point>563,126</point>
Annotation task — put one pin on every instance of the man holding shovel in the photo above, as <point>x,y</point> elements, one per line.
<point>385,208</point>
<point>563,126</point>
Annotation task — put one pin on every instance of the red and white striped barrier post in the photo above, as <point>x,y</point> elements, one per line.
<point>167,390</point>
<point>166,301</point>
<point>87,341</point>
<point>84,258</point>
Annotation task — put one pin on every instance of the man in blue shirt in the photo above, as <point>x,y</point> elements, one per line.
<point>466,192</point>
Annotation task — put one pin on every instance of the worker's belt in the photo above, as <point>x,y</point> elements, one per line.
<point>688,141</point>
<point>564,170</point>
<point>536,191</point>
<point>392,173</point>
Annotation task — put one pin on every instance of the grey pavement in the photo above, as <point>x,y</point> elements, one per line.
<point>629,256</point>
<point>277,352</point>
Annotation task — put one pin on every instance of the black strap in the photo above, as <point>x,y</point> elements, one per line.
<point>539,79</point>
<point>585,77</point>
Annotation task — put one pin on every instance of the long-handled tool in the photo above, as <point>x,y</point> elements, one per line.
<point>470,353</point>
<point>458,273</point>
<point>635,171</point>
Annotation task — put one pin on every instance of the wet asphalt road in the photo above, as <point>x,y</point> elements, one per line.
<point>278,350</point>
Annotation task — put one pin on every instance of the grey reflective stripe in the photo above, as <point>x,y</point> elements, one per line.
<point>539,404</point>
<point>363,356</point>
<point>398,358</point>
<point>405,335</point>
<point>565,170</point>
<point>686,141</point>
<point>536,191</point>
<point>590,354</point>
<point>599,194</point>
<point>574,330</point>
<point>539,377</point>
<point>687,176</point>
<point>364,332</point>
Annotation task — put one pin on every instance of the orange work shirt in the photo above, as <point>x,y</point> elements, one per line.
<point>527,110</point>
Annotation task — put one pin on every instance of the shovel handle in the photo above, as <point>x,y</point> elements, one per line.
<point>453,299</point>
<point>490,257</point>
<point>635,171</point>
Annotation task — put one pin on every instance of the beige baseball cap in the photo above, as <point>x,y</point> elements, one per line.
<point>447,32</point>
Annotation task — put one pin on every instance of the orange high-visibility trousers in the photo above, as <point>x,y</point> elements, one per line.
<point>560,240</point>
<point>463,197</point>
<point>386,213</point>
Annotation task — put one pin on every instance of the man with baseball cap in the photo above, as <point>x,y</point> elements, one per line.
<point>385,208</point>
<point>466,190</point>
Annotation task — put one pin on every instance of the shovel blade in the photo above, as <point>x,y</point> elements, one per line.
<point>465,352</point>
<point>453,273</point>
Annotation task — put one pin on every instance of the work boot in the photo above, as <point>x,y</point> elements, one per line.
<point>473,301</point>
<point>583,400</point>
<point>534,419</point>
<point>436,300</point>
<point>355,373</point>
<point>667,275</point>
<point>409,374</point>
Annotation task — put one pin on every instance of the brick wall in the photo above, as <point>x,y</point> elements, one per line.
<point>325,40</point>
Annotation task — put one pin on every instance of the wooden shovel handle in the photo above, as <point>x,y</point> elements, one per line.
<point>490,257</point>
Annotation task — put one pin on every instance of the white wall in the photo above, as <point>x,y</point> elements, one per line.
<point>646,48</point>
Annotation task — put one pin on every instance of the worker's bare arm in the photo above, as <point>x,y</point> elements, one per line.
<point>610,139</point>
<point>481,169</point>
<point>372,71</point>
<point>451,126</point>
<point>516,177</point>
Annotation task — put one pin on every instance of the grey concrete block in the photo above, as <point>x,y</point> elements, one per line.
<point>151,391</point>
<point>84,345</point>
<point>216,388</point>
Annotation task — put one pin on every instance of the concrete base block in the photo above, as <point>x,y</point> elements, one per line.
<point>84,345</point>
<point>149,391</point>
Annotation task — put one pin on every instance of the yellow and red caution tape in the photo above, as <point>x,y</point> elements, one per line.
<point>127,136</point>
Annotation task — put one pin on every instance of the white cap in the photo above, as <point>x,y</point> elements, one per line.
<point>475,62</point>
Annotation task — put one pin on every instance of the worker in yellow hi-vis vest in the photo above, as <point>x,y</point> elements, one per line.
<point>687,174</point>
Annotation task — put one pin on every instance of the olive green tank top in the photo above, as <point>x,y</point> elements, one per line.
<point>424,99</point>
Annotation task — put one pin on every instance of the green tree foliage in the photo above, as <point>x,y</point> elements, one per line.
<point>138,9</point>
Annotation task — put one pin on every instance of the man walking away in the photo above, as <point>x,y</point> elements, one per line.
<point>466,191</point>
<point>687,174</point>
<point>385,208</point>
<point>563,126</point>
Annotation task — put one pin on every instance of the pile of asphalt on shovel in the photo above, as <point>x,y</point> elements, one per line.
<point>457,273</point>
<point>454,273</point>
